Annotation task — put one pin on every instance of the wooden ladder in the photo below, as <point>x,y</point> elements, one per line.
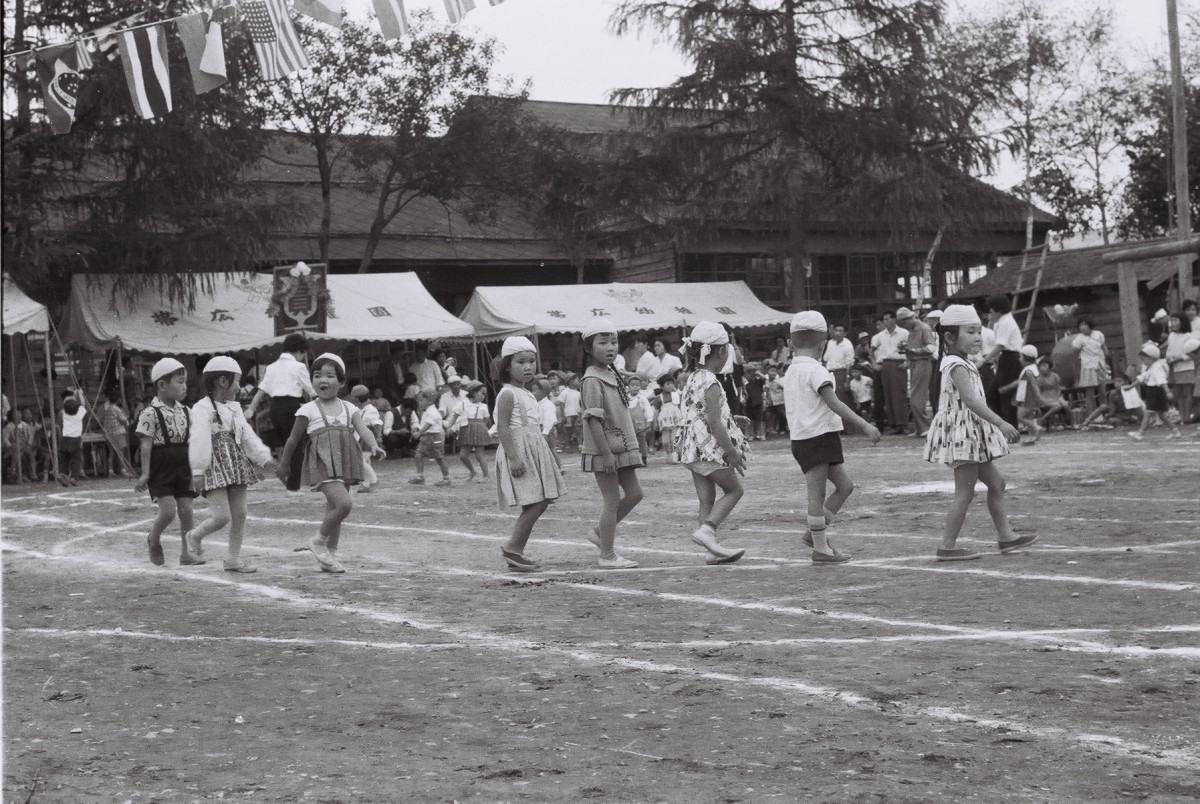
<point>1029,308</point>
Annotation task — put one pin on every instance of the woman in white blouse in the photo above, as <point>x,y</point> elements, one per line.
<point>1093,363</point>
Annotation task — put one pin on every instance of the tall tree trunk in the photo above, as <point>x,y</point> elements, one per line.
<point>798,256</point>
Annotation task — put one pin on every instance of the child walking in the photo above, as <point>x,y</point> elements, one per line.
<point>642,413</point>
<point>967,436</point>
<point>669,414</point>
<point>815,419</point>
<point>332,459</point>
<point>711,445</point>
<point>548,414</point>
<point>430,435</point>
<point>373,421</point>
<point>164,429</point>
<point>473,435</point>
<point>610,444</point>
<point>1027,395</point>
<point>1153,380</point>
<point>527,472</point>
<point>220,449</point>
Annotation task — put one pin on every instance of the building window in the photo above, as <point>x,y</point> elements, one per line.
<point>766,276</point>
<point>957,279</point>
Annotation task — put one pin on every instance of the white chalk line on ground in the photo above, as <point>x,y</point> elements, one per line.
<point>1185,757</point>
<point>345,643</point>
<point>962,631</point>
<point>1029,576</point>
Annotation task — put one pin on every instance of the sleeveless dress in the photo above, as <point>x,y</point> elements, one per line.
<point>956,435</point>
<point>332,453</point>
<point>542,480</point>
<point>695,445</point>
<point>230,466</point>
<point>475,434</point>
<point>669,415</point>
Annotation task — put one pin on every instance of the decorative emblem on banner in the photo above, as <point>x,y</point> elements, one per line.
<point>626,295</point>
<point>300,300</point>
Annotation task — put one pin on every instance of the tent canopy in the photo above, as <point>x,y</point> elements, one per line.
<point>21,313</point>
<point>366,307</point>
<point>498,312</point>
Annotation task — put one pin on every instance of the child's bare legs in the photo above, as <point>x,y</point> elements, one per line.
<point>814,480</point>
<point>843,487</point>
<point>643,448</point>
<point>338,504</point>
<point>994,481</point>
<point>186,522</point>
<point>616,507</point>
<point>464,455</point>
<point>218,517</point>
<point>1183,398</point>
<point>524,526</point>
<point>479,456</point>
<point>441,462</point>
<point>1029,417</point>
<point>713,511</point>
<point>419,464</point>
<point>166,515</point>
<point>237,522</point>
<point>964,491</point>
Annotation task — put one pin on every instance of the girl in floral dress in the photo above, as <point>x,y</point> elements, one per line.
<point>711,445</point>
<point>220,449</point>
<point>967,436</point>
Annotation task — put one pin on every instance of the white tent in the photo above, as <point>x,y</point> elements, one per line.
<point>366,307</point>
<point>498,312</point>
<point>21,313</point>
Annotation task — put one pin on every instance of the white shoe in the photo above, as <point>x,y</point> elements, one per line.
<point>1136,436</point>
<point>706,538</point>
<point>617,562</point>
<point>321,552</point>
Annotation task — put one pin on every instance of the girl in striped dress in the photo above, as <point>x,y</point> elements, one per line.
<point>527,474</point>
<point>967,436</point>
<point>220,448</point>
<point>471,415</point>
<point>332,459</point>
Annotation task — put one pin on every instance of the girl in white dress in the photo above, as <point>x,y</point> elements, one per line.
<point>526,473</point>
<point>967,436</point>
<point>220,449</point>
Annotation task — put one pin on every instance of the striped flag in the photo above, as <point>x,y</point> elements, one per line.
<point>392,19</point>
<point>60,70</point>
<point>457,9</point>
<point>275,41</point>
<point>326,11</point>
<point>205,50</point>
<point>144,57</point>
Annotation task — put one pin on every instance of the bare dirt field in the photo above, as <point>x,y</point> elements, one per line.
<point>1068,672</point>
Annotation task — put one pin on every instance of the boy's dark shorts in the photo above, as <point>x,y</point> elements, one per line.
<point>812,452</point>
<point>1156,398</point>
<point>170,473</point>
<point>755,412</point>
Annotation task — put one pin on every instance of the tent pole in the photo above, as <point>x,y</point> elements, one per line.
<point>537,345</point>
<point>12,355</point>
<point>120,373</point>
<point>49,425</point>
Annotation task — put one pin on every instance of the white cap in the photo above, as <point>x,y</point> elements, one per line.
<point>957,315</point>
<point>1160,314</point>
<point>600,326</point>
<point>517,343</point>
<point>809,321</point>
<point>168,365</point>
<point>222,363</point>
<point>331,356</point>
<point>454,378</point>
<point>903,313</point>
<point>1030,351</point>
<point>934,313</point>
<point>1151,351</point>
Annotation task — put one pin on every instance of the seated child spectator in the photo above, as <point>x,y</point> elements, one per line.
<point>862,391</point>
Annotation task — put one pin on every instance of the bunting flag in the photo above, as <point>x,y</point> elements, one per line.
<point>457,9</point>
<point>59,69</point>
<point>326,11</point>
<point>392,19</point>
<point>275,41</point>
<point>205,50</point>
<point>144,57</point>
<point>106,36</point>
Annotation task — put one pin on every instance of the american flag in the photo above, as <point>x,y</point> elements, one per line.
<point>275,41</point>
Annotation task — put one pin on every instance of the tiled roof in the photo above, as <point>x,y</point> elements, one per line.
<point>1076,268</point>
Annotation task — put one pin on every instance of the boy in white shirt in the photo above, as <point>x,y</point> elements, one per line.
<point>572,409</point>
<point>430,434</point>
<point>373,422</point>
<point>862,389</point>
<point>1153,379</point>
<point>815,416</point>
<point>643,415</point>
<point>71,448</point>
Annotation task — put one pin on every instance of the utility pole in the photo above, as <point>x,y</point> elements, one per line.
<point>1183,208</point>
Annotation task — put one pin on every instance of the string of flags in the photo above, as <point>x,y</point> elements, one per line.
<point>142,48</point>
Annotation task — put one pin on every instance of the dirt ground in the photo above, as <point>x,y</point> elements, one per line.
<point>1068,672</point>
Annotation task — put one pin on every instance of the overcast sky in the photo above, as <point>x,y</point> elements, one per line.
<point>565,48</point>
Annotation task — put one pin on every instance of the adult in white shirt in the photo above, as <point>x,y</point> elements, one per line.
<point>1182,350</point>
<point>1007,355</point>
<point>838,358</point>
<point>887,352</point>
<point>428,373</point>
<point>287,383</point>
<point>1093,363</point>
<point>657,362</point>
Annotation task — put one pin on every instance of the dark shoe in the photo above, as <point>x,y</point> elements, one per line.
<point>156,554</point>
<point>825,558</point>
<point>519,562</point>
<point>957,554</point>
<point>1016,544</point>
<point>807,539</point>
